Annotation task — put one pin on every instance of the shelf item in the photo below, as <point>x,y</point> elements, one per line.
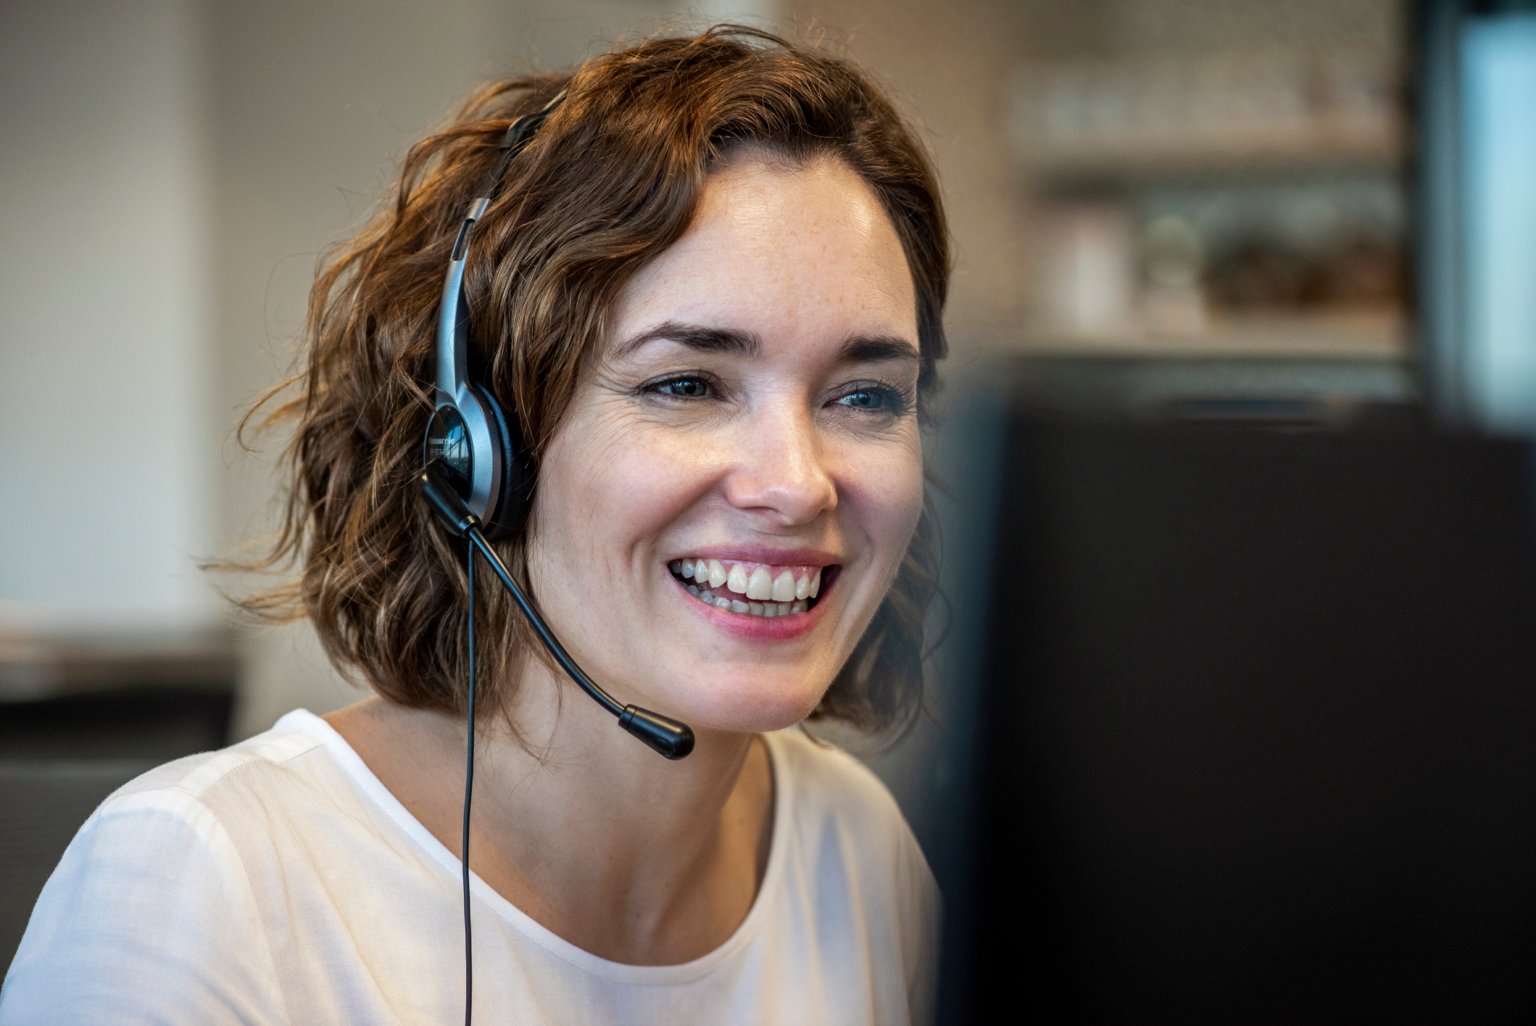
<point>1223,114</point>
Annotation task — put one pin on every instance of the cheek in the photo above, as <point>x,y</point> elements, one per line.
<point>564,503</point>
<point>910,509</point>
<point>600,485</point>
<point>890,494</point>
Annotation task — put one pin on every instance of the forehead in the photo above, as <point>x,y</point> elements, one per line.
<point>803,250</point>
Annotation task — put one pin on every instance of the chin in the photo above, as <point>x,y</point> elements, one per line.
<point>764,706</point>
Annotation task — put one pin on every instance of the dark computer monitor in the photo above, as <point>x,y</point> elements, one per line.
<point>1246,726</point>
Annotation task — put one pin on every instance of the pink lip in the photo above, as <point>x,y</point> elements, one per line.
<point>761,628</point>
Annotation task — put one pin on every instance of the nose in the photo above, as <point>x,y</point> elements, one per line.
<point>781,468</point>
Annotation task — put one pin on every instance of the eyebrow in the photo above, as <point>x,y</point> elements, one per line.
<point>696,337</point>
<point>879,349</point>
<point>856,349</point>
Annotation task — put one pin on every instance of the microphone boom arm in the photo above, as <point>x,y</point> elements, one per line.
<point>667,736</point>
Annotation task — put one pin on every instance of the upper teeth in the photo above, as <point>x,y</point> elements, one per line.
<point>760,582</point>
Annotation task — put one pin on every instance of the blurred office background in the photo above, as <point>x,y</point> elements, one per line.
<point>1304,209</point>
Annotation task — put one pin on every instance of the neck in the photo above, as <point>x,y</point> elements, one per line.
<point>586,829</point>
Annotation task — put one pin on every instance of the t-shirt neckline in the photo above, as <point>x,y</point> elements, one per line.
<point>373,789</point>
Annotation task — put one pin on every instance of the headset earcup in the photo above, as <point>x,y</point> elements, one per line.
<point>510,511</point>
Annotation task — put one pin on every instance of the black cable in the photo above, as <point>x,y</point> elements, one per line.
<point>547,636</point>
<point>469,786</point>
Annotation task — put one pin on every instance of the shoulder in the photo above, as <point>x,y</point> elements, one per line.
<point>848,853</point>
<point>287,748</point>
<point>822,781</point>
<point>297,776</point>
<point>216,812</point>
<point>831,802</point>
<point>143,899</point>
<point>203,793</point>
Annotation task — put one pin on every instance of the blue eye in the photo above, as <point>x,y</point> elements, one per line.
<point>866,399</point>
<point>876,399</point>
<point>682,388</point>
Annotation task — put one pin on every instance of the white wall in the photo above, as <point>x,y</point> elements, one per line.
<point>106,495</point>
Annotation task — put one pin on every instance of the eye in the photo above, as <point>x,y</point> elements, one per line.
<point>681,386</point>
<point>871,397</point>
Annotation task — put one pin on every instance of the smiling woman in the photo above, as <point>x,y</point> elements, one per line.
<point>703,278</point>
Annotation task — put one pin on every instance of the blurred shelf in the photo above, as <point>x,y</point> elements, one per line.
<point>1300,154</point>
<point>1372,334</point>
<point>1082,124</point>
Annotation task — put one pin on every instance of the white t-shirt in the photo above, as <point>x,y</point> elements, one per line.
<point>278,881</point>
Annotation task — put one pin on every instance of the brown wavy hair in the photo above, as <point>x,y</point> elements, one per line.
<point>610,181</point>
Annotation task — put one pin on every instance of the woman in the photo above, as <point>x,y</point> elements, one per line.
<point>706,288</point>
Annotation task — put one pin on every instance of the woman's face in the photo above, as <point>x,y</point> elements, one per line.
<point>728,499</point>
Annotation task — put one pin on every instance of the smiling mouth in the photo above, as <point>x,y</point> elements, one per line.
<point>752,589</point>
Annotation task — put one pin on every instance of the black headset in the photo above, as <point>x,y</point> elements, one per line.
<point>478,478</point>
<point>478,473</point>
<point>469,436</point>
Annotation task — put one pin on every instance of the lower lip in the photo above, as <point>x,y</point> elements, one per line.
<point>745,625</point>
